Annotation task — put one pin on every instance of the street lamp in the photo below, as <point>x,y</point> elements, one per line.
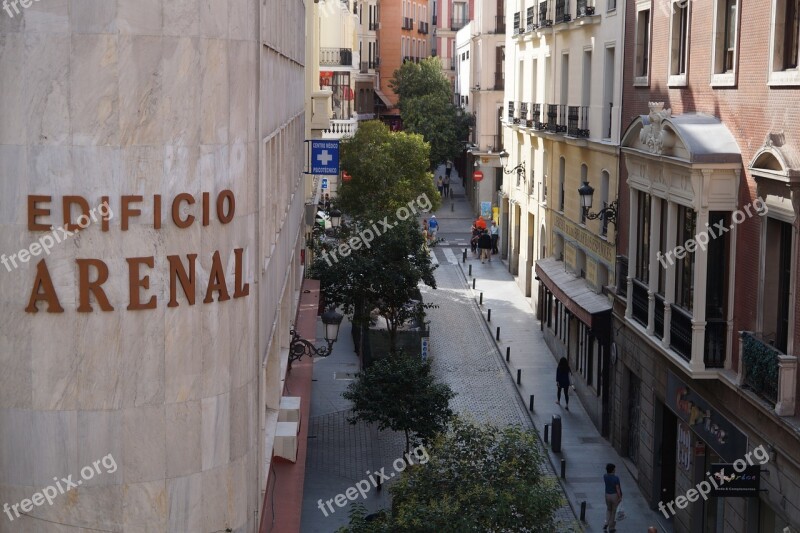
<point>519,169</point>
<point>336,218</point>
<point>608,214</point>
<point>298,347</point>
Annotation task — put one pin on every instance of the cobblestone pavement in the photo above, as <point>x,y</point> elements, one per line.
<point>464,356</point>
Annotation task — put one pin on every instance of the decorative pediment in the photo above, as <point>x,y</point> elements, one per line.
<point>776,160</point>
<point>654,135</point>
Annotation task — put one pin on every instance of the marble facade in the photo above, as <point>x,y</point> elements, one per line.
<point>148,97</point>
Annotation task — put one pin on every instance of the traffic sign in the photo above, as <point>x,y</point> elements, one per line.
<point>477,175</point>
<point>324,183</point>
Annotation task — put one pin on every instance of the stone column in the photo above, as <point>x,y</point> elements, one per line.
<point>655,232</point>
<point>787,385</point>
<point>699,297</point>
<point>669,285</point>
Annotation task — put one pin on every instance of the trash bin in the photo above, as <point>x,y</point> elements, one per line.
<point>555,433</point>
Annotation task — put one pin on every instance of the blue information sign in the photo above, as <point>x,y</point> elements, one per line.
<point>324,183</point>
<point>325,157</point>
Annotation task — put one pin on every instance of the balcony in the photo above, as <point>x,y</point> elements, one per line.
<point>517,24</point>
<point>499,80</point>
<point>332,57</point>
<point>659,314</point>
<point>583,10</point>
<point>373,26</point>
<point>680,330</point>
<point>422,27</point>
<point>556,118</point>
<point>768,373</point>
<point>536,117</point>
<point>530,23</point>
<point>562,11</point>
<point>366,66</point>
<point>408,23</point>
<point>578,121</point>
<point>456,23</point>
<point>435,21</point>
<point>340,129</point>
<point>523,113</point>
<point>500,24</point>
<point>544,21</point>
<point>510,112</point>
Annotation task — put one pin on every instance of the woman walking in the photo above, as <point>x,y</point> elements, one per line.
<point>485,246</point>
<point>563,380</point>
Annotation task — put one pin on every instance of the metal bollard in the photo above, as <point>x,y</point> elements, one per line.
<point>508,350</point>
<point>489,316</point>
<point>583,511</point>
<point>563,469</point>
<point>481,299</point>
<point>547,433</point>
<point>470,270</point>
<point>464,256</point>
<point>519,376</point>
<point>473,280</point>
<point>497,337</point>
<point>530,406</point>
<point>556,441</point>
<point>452,207</point>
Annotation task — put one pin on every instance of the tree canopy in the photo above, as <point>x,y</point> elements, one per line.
<point>479,478</point>
<point>401,394</point>
<point>426,106</point>
<point>388,171</point>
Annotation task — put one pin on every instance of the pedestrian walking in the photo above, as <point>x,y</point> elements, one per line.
<point>494,231</point>
<point>440,185</point>
<point>485,246</point>
<point>448,168</point>
<point>480,223</point>
<point>563,374</point>
<point>433,227</point>
<point>447,186</point>
<point>613,497</point>
<point>473,242</point>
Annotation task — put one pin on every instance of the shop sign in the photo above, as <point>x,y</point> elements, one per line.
<point>717,431</point>
<point>730,483</point>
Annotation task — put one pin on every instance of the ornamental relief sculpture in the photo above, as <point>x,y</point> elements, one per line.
<point>653,135</point>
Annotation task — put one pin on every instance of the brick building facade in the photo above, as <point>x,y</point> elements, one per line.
<point>703,368</point>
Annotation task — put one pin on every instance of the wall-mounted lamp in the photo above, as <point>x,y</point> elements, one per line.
<point>607,213</point>
<point>519,169</point>
<point>298,347</point>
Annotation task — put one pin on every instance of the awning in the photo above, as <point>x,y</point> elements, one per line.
<point>383,97</point>
<point>591,308</point>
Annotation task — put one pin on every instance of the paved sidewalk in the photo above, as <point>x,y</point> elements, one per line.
<point>585,451</point>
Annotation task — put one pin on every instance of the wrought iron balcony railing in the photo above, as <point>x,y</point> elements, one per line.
<point>530,22</point>
<point>659,314</point>
<point>536,116</point>
<point>517,23</point>
<point>761,366</point>
<point>510,112</point>
<point>523,113</point>
<point>336,56</point>
<point>456,23</point>
<point>544,20</point>
<point>578,121</point>
<point>500,24</point>
<point>582,9</point>
<point>435,20</point>
<point>640,302</point>
<point>373,26</point>
<point>562,11</point>
<point>422,27</point>
<point>716,342</point>
<point>552,118</point>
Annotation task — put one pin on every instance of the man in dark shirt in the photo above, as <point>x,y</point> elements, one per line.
<point>613,497</point>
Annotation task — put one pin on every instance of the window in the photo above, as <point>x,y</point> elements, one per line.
<point>684,273</point>
<point>679,42</point>
<point>561,171</point>
<point>643,250</point>
<point>776,289</point>
<point>612,5</point>
<point>642,47</point>
<point>785,43</point>
<point>723,60</point>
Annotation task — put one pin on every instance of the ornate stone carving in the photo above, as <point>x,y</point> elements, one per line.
<point>657,140</point>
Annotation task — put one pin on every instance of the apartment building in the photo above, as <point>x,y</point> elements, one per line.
<point>479,84</point>
<point>403,36</point>
<point>143,356</point>
<point>705,313</point>
<point>451,16</point>
<point>561,131</point>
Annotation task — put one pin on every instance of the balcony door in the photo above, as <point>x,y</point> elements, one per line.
<point>776,283</point>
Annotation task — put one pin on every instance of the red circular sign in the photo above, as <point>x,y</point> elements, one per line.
<point>477,175</point>
<point>346,177</point>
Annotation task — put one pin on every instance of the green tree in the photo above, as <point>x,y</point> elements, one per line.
<point>399,393</point>
<point>413,80</point>
<point>389,171</point>
<point>383,273</point>
<point>478,479</point>
<point>426,106</point>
